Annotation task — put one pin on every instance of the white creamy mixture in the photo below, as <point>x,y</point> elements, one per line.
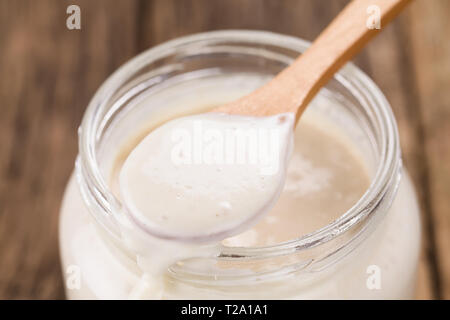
<point>185,179</point>
<point>325,176</point>
<point>200,178</point>
<point>208,175</point>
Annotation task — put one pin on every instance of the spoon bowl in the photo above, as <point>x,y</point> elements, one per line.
<point>207,204</point>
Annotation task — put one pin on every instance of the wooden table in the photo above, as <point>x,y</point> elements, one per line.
<point>48,74</point>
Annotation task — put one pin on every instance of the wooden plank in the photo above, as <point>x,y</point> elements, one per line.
<point>49,74</point>
<point>162,20</point>
<point>429,47</point>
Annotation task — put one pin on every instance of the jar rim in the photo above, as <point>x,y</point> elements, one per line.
<point>91,180</point>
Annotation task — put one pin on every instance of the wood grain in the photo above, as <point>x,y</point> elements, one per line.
<point>428,36</point>
<point>49,74</point>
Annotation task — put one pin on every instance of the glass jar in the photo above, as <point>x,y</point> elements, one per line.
<point>371,251</point>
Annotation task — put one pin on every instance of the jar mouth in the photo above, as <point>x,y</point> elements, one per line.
<point>99,197</point>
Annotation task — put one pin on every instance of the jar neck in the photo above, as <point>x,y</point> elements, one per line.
<point>143,73</point>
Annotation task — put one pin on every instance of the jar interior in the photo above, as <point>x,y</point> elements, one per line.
<point>164,85</point>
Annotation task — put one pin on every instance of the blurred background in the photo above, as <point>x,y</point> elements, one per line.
<point>48,74</point>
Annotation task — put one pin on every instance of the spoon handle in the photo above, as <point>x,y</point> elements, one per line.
<point>293,88</point>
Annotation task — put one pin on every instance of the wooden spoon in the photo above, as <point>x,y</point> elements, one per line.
<point>289,92</point>
<point>293,88</point>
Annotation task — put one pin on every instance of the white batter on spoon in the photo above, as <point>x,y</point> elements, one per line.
<point>206,177</point>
